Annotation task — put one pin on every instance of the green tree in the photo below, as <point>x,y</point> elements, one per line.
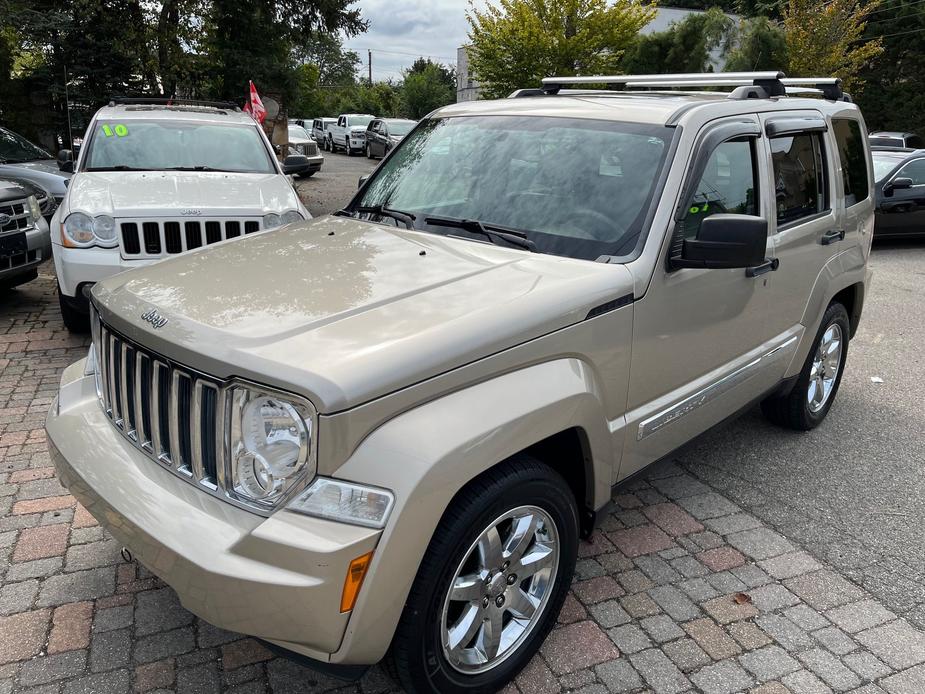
<point>518,42</point>
<point>335,64</point>
<point>898,101</point>
<point>760,45</point>
<point>826,39</point>
<point>427,86</point>
<point>684,47</point>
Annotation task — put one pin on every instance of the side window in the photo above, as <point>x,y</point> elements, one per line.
<point>915,170</point>
<point>728,185</point>
<point>853,159</point>
<point>342,121</point>
<point>799,176</point>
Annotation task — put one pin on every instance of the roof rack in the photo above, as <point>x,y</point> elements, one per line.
<point>749,85</point>
<point>168,101</point>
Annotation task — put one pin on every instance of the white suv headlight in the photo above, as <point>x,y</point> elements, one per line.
<point>271,447</point>
<point>81,230</point>
<point>290,216</point>
<point>271,221</point>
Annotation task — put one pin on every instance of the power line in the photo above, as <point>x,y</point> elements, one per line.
<point>412,55</point>
<point>887,36</point>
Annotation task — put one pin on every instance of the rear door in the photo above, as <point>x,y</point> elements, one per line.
<point>807,227</point>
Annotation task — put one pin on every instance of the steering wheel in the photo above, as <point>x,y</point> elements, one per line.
<point>597,226</point>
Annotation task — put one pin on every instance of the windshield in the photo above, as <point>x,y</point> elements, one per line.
<point>400,127</point>
<point>298,131</point>
<point>15,149</point>
<point>159,145</point>
<point>358,120</point>
<point>883,166</point>
<point>576,187</point>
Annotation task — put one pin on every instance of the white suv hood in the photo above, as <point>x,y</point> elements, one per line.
<point>167,193</point>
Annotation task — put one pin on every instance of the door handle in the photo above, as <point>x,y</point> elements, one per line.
<point>832,236</point>
<point>769,265</point>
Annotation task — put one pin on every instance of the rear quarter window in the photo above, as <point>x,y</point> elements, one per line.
<point>850,143</point>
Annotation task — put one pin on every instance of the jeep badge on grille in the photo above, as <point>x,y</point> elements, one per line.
<point>154,318</point>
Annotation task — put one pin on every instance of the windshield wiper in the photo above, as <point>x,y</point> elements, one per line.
<point>117,167</point>
<point>196,168</point>
<point>515,237</point>
<point>383,211</point>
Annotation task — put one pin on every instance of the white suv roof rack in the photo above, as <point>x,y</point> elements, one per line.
<point>749,85</point>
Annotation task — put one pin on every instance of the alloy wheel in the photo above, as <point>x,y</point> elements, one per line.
<point>824,370</point>
<point>500,590</point>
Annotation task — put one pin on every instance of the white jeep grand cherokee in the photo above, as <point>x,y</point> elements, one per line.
<point>155,179</point>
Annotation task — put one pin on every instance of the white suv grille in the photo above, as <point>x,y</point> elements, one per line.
<point>157,238</point>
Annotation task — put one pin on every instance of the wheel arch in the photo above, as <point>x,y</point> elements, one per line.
<point>550,411</point>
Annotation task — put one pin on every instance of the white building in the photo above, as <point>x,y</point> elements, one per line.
<point>467,89</point>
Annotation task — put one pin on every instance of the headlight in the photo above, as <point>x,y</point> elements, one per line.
<point>271,221</point>
<point>82,230</point>
<point>34,208</point>
<point>291,216</point>
<point>271,445</point>
<point>78,230</point>
<point>346,502</point>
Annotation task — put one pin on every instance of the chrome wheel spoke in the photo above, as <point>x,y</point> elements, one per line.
<point>522,535</point>
<point>461,633</point>
<point>825,368</point>
<point>490,637</point>
<point>490,549</point>
<point>520,603</point>
<point>541,557</point>
<point>468,588</point>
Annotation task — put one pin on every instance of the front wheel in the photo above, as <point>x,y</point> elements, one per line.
<point>491,583</point>
<point>807,404</point>
<point>369,151</point>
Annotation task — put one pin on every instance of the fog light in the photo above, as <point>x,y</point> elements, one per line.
<point>345,502</point>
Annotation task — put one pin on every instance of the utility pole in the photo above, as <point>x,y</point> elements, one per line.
<point>370,53</point>
<point>67,108</point>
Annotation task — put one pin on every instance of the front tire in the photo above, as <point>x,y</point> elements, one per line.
<point>369,151</point>
<point>811,397</point>
<point>491,583</point>
<point>347,149</point>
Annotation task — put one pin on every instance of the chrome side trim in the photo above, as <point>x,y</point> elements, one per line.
<point>195,432</point>
<point>174,423</point>
<point>650,425</point>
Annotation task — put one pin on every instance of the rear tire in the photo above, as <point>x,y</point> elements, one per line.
<point>811,397</point>
<point>523,505</point>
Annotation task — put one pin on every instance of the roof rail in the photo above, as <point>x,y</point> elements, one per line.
<point>168,101</point>
<point>769,80</point>
<point>829,86</point>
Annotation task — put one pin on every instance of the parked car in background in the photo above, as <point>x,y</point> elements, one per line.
<point>885,138</point>
<point>301,142</point>
<point>900,185</point>
<point>382,134</point>
<point>382,433</point>
<point>319,130</point>
<point>349,133</point>
<point>155,180</point>
<point>24,242</point>
<point>27,161</point>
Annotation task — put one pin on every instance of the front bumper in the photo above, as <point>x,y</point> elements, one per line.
<point>76,267</point>
<point>357,141</point>
<point>279,578</point>
<point>38,248</point>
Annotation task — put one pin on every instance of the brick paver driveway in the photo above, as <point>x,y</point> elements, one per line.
<point>680,590</point>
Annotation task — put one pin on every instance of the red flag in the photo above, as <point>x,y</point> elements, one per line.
<point>255,106</point>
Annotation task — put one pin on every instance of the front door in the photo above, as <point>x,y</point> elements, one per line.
<point>700,336</point>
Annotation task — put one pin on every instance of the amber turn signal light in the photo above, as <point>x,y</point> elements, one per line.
<point>355,575</point>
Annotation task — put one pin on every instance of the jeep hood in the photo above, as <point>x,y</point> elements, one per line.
<point>165,193</point>
<point>345,311</point>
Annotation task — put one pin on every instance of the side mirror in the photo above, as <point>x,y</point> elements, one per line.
<point>362,181</point>
<point>726,241</point>
<point>66,160</point>
<point>897,184</point>
<point>294,163</point>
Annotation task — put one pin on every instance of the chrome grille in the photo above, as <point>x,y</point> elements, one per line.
<point>156,238</point>
<point>174,415</point>
<point>20,217</point>
<point>309,149</point>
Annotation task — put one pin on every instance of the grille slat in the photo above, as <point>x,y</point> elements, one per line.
<point>160,238</point>
<point>171,413</point>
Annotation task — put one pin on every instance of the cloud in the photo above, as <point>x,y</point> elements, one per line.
<point>402,30</point>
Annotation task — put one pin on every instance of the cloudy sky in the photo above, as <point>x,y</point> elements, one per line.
<point>402,30</point>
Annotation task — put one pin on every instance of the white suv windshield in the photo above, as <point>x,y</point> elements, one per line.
<point>164,145</point>
<point>358,120</point>
<point>574,187</point>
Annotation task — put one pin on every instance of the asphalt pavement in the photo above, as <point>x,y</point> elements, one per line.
<point>332,187</point>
